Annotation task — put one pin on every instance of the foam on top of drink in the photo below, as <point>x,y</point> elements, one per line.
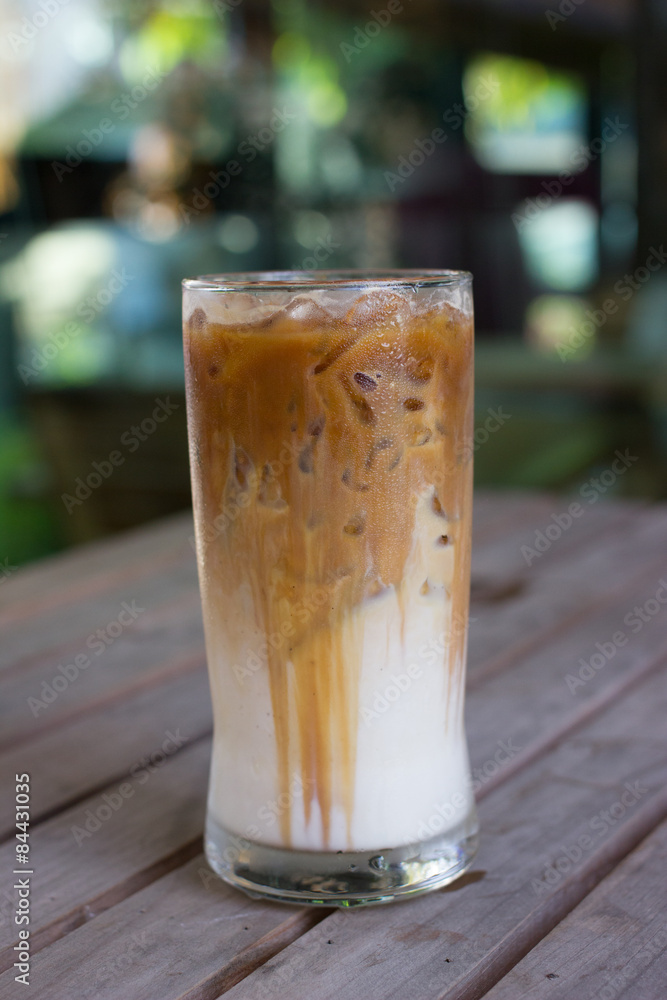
<point>352,306</point>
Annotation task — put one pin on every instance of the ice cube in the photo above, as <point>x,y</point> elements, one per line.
<point>197,320</point>
<point>352,482</point>
<point>412,403</point>
<point>418,435</point>
<point>356,525</point>
<point>306,463</point>
<point>243,467</point>
<point>234,309</point>
<point>307,309</point>
<point>420,369</point>
<point>381,305</point>
<point>367,383</point>
<point>270,493</point>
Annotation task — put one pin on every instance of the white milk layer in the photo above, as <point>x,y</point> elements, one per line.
<point>412,772</point>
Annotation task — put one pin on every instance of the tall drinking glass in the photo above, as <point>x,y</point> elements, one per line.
<point>330,424</point>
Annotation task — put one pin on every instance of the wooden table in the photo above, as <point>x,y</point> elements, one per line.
<point>566,897</point>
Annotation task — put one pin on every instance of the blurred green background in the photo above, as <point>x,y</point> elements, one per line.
<point>143,142</point>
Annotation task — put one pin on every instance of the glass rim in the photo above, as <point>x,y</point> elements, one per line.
<point>271,281</point>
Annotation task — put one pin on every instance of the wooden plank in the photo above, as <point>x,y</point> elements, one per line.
<point>62,633</point>
<point>543,694</point>
<point>56,596</point>
<point>612,946</point>
<point>534,695</point>
<point>563,590</point>
<point>165,817</point>
<point>177,589</point>
<point>501,558</point>
<point>68,774</point>
<point>515,551</point>
<point>457,943</point>
<point>122,674</point>
<point>502,578</point>
<point>498,512</point>
<point>64,628</point>
<point>153,645</point>
<point>84,871</point>
<point>90,569</point>
<point>454,943</point>
<point>188,920</point>
<point>101,746</point>
<point>59,634</point>
<point>105,759</point>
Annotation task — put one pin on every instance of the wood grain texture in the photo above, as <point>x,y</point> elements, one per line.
<point>467,933</point>
<point>613,946</point>
<point>539,697</point>
<point>59,630</point>
<point>104,743</point>
<point>58,601</point>
<point>63,631</point>
<point>567,587</point>
<point>64,580</point>
<point>527,709</point>
<point>148,649</point>
<point>73,741</point>
<point>187,935</point>
<point>508,550</point>
<point>83,871</point>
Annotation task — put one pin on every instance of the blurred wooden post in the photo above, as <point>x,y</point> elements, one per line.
<point>651,124</point>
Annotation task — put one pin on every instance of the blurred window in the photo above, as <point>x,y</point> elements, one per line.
<point>531,120</point>
<point>560,245</point>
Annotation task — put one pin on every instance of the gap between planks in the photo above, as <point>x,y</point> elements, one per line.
<point>518,650</point>
<point>537,750</point>
<point>169,532</point>
<point>131,688</point>
<point>139,566</point>
<point>102,786</point>
<point>602,946</point>
<point>189,599</point>
<point>67,648</point>
<point>183,665</point>
<point>594,706</point>
<point>540,920</point>
<point>530,932</point>
<point>25,608</point>
<point>495,933</point>
<point>257,954</point>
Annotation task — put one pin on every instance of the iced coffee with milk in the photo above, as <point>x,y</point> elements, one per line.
<point>330,425</point>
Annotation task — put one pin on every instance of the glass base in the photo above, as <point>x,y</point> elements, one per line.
<point>338,878</point>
